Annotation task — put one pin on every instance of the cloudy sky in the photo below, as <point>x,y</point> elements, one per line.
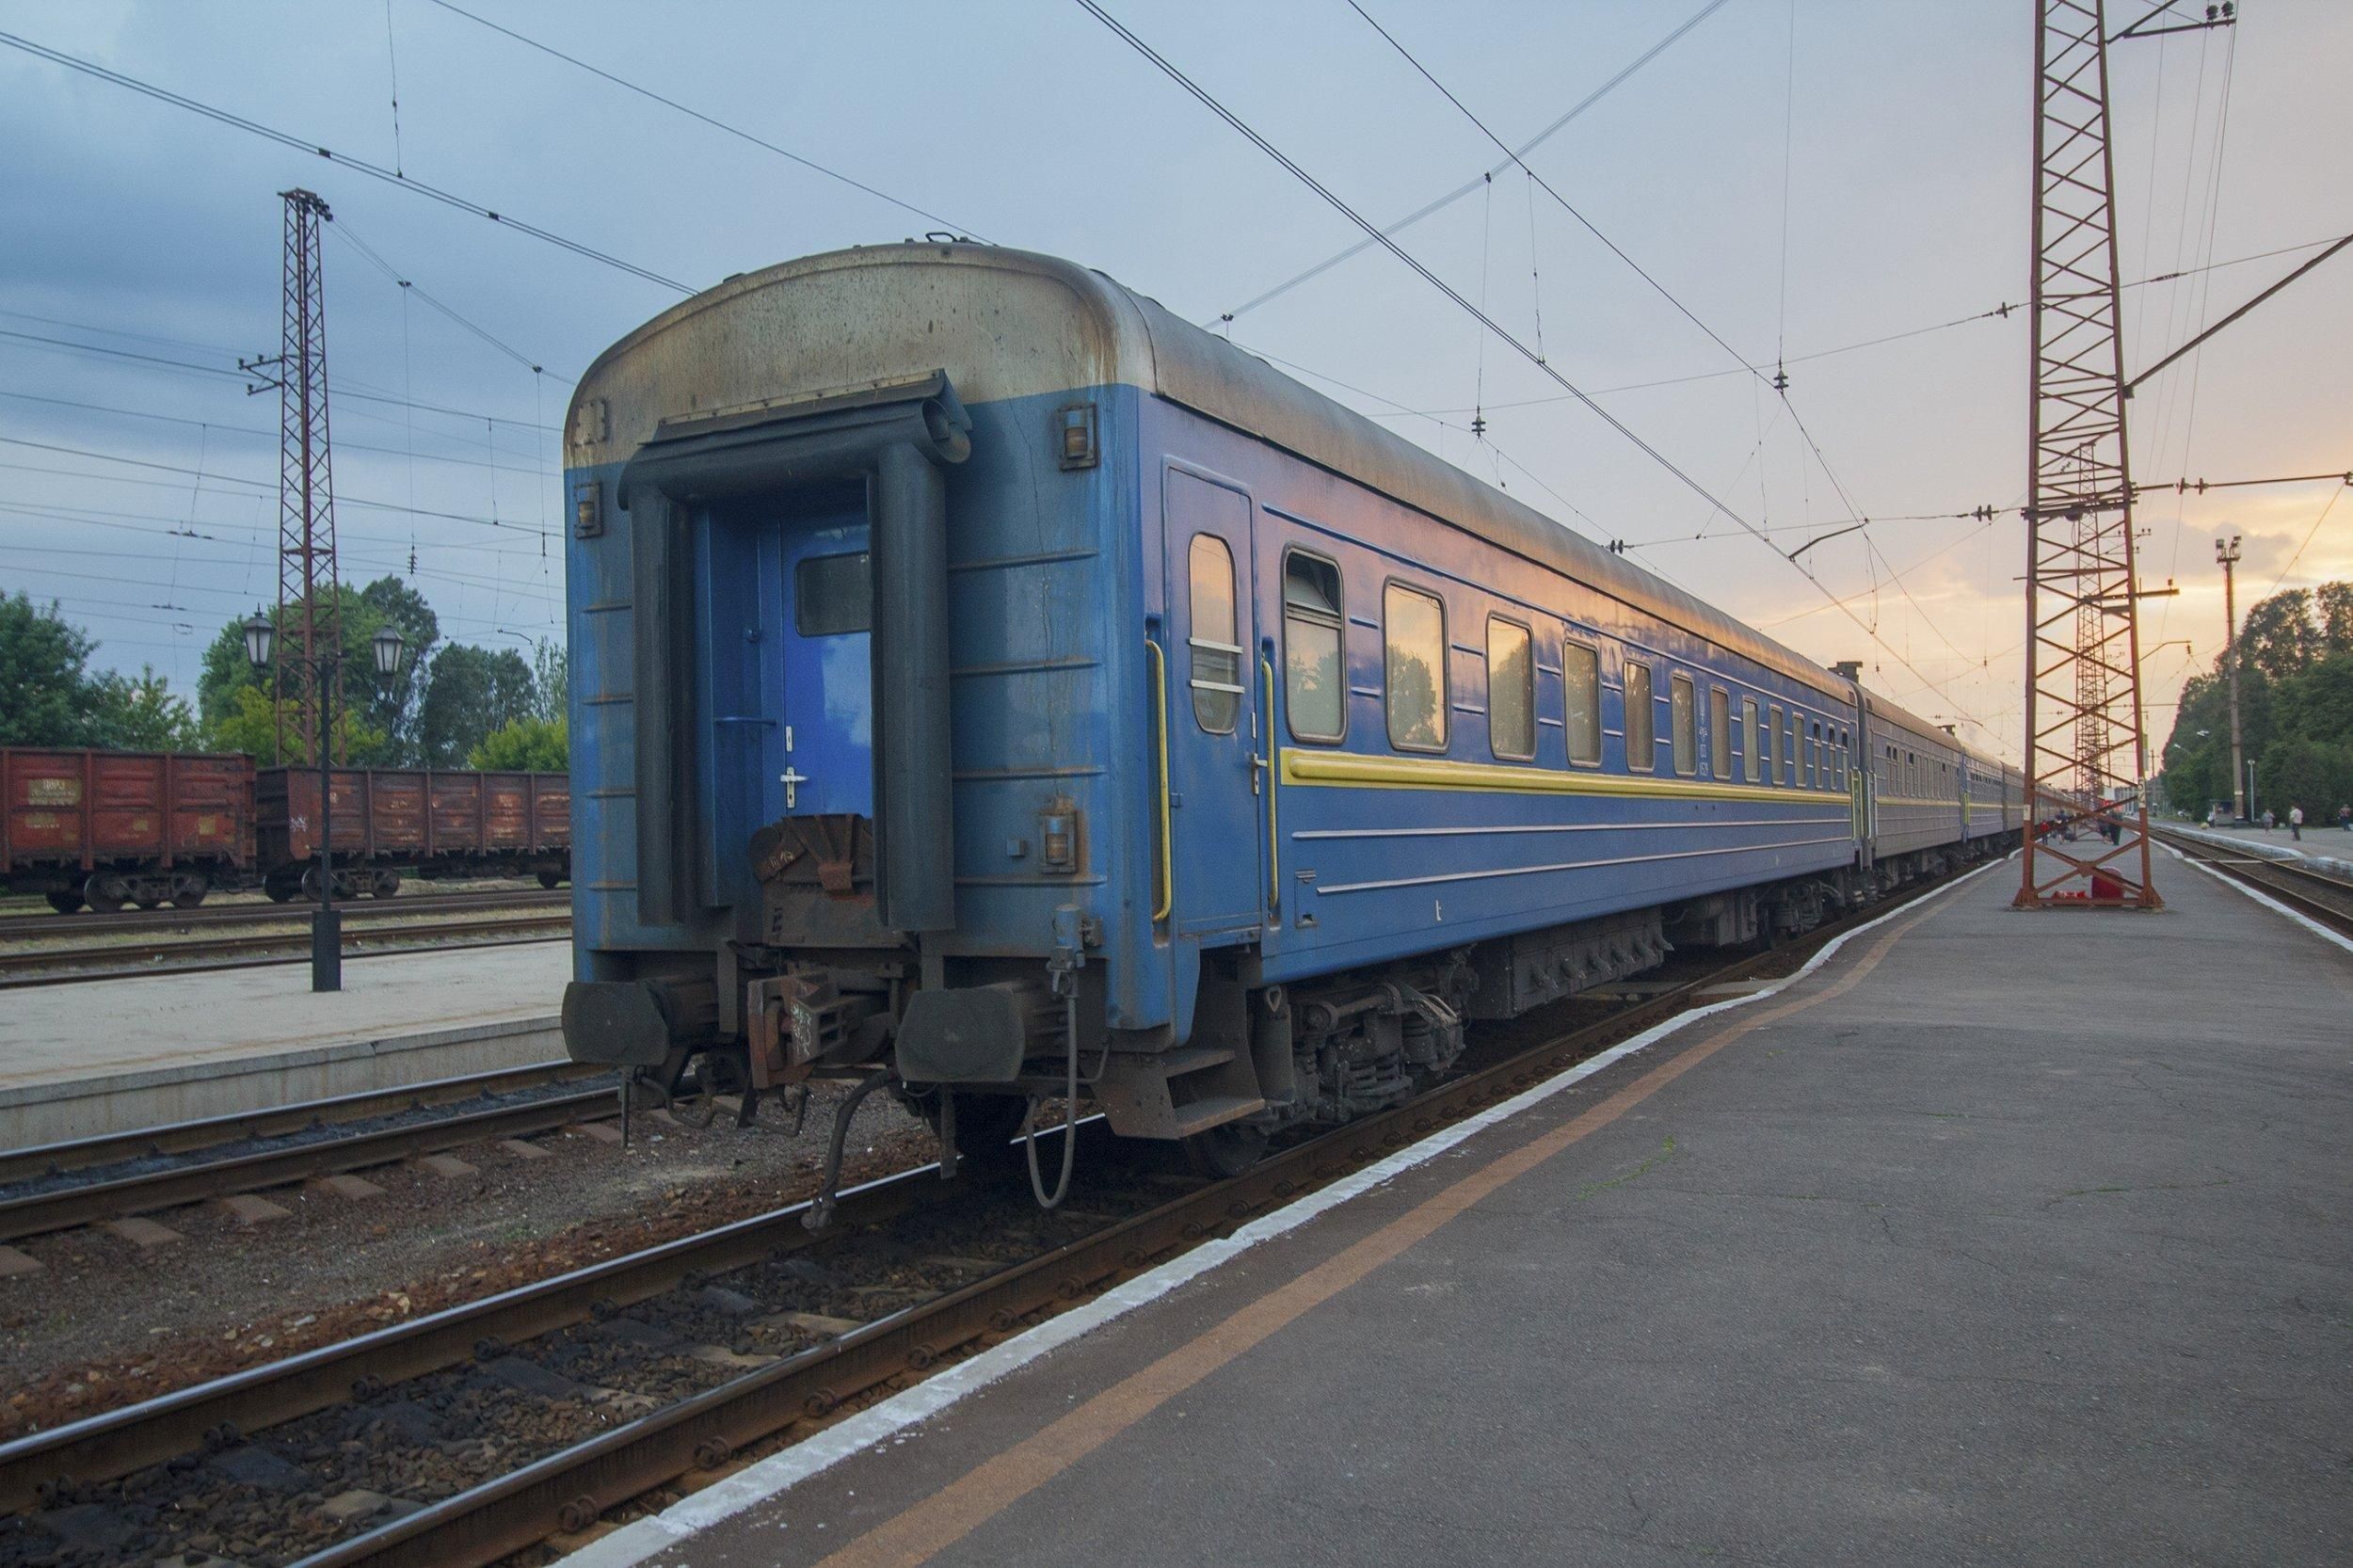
<point>1835,185</point>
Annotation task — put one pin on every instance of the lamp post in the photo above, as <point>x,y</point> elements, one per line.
<point>327,921</point>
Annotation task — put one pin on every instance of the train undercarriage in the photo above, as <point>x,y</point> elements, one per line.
<point>979,1057</point>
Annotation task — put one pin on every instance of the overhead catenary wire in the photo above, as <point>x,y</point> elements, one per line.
<point>343,160</point>
<point>716,123</point>
<point>1625,75</point>
<point>1377,236</point>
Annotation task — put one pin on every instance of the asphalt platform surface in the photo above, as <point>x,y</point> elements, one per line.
<point>2001,1238</point>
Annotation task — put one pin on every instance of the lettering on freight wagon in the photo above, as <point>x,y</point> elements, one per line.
<point>53,791</point>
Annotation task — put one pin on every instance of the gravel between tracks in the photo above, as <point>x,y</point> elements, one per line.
<point>107,1323</point>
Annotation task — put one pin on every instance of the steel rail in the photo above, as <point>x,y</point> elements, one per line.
<point>118,1442</point>
<point>163,921</point>
<point>96,1202</point>
<point>148,1142</point>
<point>18,969</point>
<point>566,1490</point>
<point>2325,898</point>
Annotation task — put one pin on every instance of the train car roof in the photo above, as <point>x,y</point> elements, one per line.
<point>985,300</point>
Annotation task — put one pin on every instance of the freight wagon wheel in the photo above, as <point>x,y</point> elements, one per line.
<point>549,880</point>
<point>384,884</point>
<point>188,891</point>
<point>105,892</point>
<point>64,902</point>
<point>1226,1150</point>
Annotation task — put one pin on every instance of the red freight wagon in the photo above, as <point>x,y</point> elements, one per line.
<point>108,829</point>
<point>442,823</point>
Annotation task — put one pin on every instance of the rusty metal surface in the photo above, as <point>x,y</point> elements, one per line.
<point>76,808</point>
<point>1009,323</point>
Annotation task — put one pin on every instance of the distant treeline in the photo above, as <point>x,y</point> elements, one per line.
<point>2296,706</point>
<point>453,705</point>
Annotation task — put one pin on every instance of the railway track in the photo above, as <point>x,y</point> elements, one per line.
<point>96,1202</point>
<point>18,1166</point>
<point>163,921</point>
<point>67,966</point>
<point>2325,898</point>
<point>744,1335</point>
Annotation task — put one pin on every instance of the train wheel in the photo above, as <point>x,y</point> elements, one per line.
<point>549,880</point>
<point>188,891</point>
<point>63,901</point>
<point>384,884</point>
<point>1226,1150</point>
<point>105,892</point>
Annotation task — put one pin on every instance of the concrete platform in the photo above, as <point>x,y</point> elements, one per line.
<point>110,1055</point>
<point>2329,849</point>
<point>1996,1239</point>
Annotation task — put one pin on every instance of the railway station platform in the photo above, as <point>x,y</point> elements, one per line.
<point>2327,849</point>
<point>111,1055</point>
<point>1994,1238</point>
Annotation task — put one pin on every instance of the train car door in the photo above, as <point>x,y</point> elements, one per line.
<point>828,739</point>
<point>1218,755</point>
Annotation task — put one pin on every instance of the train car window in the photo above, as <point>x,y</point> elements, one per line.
<point>1216,677</point>
<point>1750,754</point>
<point>1580,682</point>
<point>1511,691</point>
<point>1414,626</point>
<point>1641,740</point>
<point>1790,742</point>
<point>1314,679</point>
<point>1719,731</point>
<point>831,594</point>
<point>1772,744</point>
<point>1683,707</point>
<point>1817,764</point>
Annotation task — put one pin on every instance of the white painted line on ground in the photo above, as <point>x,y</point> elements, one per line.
<point>2266,900</point>
<point>779,1472</point>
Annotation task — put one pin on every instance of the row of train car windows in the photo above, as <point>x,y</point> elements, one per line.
<point>1784,748</point>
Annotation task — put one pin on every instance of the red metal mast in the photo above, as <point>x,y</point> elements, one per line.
<point>2086,751</point>
<point>310,613</point>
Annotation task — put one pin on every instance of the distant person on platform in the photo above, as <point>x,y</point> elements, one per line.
<point>2295,822</point>
<point>2345,818</point>
<point>2270,823</point>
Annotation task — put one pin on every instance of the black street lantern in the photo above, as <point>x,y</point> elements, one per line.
<point>260,637</point>
<point>386,647</point>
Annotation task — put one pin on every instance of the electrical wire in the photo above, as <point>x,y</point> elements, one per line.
<point>716,124</point>
<point>1624,76</point>
<point>342,160</point>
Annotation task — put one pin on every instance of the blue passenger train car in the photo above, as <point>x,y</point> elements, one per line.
<point>982,676</point>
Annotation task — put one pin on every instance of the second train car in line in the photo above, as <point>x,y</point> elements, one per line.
<point>981,676</point>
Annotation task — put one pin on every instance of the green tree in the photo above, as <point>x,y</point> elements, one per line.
<point>469,692</point>
<point>383,714</point>
<point>250,726</point>
<point>538,744</point>
<point>141,713</point>
<point>2278,636</point>
<point>551,679</point>
<point>394,705</point>
<point>2299,772</point>
<point>44,677</point>
<point>2335,602</point>
<point>49,698</point>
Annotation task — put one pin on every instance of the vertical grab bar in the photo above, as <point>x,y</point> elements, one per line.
<point>1273,869</point>
<point>1159,735</point>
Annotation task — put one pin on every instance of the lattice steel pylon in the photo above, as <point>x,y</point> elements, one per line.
<point>2085,744</point>
<point>310,613</point>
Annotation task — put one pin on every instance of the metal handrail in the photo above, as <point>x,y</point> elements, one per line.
<point>1274,871</point>
<point>1159,730</point>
